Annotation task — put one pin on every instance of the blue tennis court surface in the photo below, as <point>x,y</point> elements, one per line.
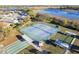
<point>39,31</point>
<point>62,13</point>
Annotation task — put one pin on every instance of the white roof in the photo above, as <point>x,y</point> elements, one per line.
<point>71,33</point>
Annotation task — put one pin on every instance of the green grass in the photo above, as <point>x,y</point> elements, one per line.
<point>58,36</point>
<point>68,40</point>
<point>26,50</point>
<point>65,38</point>
<point>53,49</point>
<point>76,42</point>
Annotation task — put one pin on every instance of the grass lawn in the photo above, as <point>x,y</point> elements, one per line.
<point>68,40</point>
<point>26,50</point>
<point>53,49</point>
<point>29,50</point>
<point>74,31</point>
<point>50,48</point>
<point>76,42</point>
<point>64,37</point>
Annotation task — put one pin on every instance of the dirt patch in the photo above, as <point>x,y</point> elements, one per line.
<point>10,38</point>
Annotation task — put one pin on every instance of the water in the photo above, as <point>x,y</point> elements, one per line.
<point>61,13</point>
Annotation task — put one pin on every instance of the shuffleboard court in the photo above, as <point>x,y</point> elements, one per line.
<point>16,47</point>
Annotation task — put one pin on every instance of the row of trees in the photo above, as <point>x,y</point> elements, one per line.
<point>69,7</point>
<point>30,12</point>
<point>63,22</point>
<point>44,18</point>
<point>66,23</point>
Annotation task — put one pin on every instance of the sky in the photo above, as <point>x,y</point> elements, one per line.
<point>39,2</point>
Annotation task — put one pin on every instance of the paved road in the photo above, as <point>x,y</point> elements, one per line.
<point>67,51</point>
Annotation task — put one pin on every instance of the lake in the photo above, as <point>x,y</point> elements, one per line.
<point>61,13</point>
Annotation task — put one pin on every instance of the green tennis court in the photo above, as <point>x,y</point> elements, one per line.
<point>39,31</point>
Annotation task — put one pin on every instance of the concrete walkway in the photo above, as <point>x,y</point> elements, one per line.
<point>29,40</point>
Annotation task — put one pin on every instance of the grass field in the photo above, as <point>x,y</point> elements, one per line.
<point>50,48</point>
<point>68,40</point>
<point>27,50</point>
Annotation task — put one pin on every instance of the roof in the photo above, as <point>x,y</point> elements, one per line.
<point>61,43</point>
<point>39,31</point>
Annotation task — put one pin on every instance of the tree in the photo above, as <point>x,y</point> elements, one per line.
<point>65,22</point>
<point>31,13</point>
<point>1,34</point>
<point>6,31</point>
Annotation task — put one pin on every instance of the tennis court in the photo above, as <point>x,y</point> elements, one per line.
<point>39,31</point>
